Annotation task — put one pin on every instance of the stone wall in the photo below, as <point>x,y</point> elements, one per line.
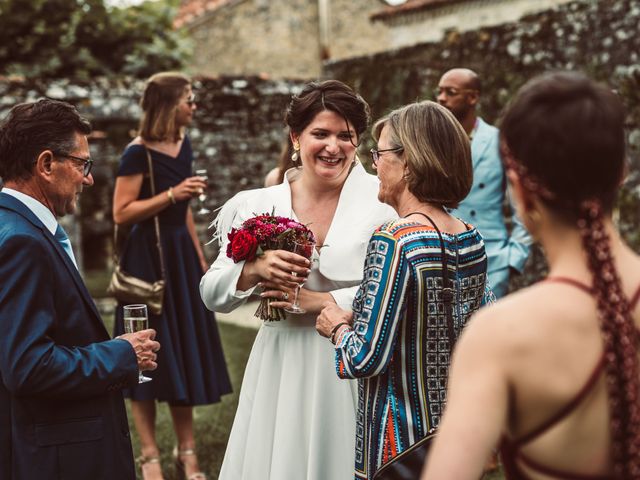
<point>352,31</point>
<point>238,129</point>
<point>599,37</point>
<point>431,24</point>
<point>237,136</point>
<point>282,37</point>
<point>254,36</point>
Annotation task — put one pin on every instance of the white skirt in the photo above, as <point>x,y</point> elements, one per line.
<point>295,417</point>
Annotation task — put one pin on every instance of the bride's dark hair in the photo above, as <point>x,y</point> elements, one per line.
<point>564,136</point>
<point>332,95</point>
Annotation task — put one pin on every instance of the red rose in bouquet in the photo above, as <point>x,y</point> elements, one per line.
<point>266,232</point>
<point>242,246</point>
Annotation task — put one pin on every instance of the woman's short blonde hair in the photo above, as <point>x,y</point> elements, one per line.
<point>159,103</point>
<point>436,151</point>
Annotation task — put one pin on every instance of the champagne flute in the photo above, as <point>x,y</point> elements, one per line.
<point>305,249</point>
<point>202,173</point>
<point>136,320</point>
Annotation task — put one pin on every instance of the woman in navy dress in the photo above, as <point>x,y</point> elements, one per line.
<point>191,367</point>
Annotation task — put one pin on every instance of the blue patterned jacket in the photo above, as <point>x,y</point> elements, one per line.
<point>399,346</point>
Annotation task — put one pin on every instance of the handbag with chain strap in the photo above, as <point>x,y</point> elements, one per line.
<point>127,288</point>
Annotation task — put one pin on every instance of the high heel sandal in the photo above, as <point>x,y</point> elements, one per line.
<point>180,466</point>
<point>143,460</point>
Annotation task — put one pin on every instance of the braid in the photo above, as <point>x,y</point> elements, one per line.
<point>564,135</point>
<point>620,339</point>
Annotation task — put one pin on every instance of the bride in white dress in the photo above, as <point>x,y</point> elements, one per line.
<point>295,418</point>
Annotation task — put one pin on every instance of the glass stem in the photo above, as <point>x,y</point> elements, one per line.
<point>295,297</point>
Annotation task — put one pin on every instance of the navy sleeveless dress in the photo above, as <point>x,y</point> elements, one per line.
<point>191,366</point>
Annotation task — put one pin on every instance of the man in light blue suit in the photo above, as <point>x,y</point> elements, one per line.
<point>459,91</point>
<point>62,414</point>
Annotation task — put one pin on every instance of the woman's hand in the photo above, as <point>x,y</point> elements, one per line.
<point>204,265</point>
<point>188,188</point>
<point>330,316</point>
<point>281,297</point>
<point>307,299</point>
<point>275,266</point>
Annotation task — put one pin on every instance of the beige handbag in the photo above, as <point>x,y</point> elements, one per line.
<point>129,289</point>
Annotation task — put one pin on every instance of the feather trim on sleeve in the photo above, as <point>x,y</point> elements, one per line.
<point>227,215</point>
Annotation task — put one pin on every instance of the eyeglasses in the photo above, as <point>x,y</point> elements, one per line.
<point>191,101</point>
<point>87,163</point>
<point>451,91</point>
<point>375,154</point>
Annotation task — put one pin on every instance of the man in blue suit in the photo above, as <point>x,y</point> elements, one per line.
<point>61,411</point>
<point>459,91</point>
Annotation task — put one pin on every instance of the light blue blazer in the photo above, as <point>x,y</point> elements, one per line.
<point>483,209</point>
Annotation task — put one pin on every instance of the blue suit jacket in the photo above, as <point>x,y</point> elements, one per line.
<point>483,209</point>
<point>61,411</point>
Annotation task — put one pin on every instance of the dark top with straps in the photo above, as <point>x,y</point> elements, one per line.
<point>510,449</point>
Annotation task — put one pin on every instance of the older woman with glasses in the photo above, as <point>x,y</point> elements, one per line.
<point>424,276</point>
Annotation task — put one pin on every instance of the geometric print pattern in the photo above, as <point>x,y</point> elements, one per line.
<point>398,347</point>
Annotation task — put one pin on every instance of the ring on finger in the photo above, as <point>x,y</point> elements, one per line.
<point>285,296</point>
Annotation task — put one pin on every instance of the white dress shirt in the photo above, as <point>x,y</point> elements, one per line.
<point>44,215</point>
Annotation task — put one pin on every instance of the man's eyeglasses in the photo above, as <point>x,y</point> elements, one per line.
<point>87,163</point>
<point>451,91</point>
<point>375,154</point>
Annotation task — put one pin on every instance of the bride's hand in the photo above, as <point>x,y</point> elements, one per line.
<point>276,266</point>
<point>280,297</point>
<point>309,300</point>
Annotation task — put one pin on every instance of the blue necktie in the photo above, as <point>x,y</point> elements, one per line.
<point>63,240</point>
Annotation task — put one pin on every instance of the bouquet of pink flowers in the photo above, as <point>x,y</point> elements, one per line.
<point>261,233</point>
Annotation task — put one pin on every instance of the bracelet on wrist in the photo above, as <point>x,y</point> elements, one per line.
<point>172,199</point>
<point>340,334</point>
<point>335,330</point>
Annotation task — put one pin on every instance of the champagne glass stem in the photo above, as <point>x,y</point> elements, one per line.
<point>295,297</point>
<point>203,210</point>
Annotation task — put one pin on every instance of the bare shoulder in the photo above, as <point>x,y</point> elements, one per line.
<point>136,141</point>
<point>272,177</point>
<point>628,265</point>
<point>520,320</point>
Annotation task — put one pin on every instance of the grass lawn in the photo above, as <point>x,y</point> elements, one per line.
<point>212,422</point>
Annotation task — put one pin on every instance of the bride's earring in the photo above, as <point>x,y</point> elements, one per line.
<point>295,156</point>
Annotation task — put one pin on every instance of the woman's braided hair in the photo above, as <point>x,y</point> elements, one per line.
<point>564,136</point>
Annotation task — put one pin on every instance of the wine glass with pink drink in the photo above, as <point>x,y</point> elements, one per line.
<point>305,249</point>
